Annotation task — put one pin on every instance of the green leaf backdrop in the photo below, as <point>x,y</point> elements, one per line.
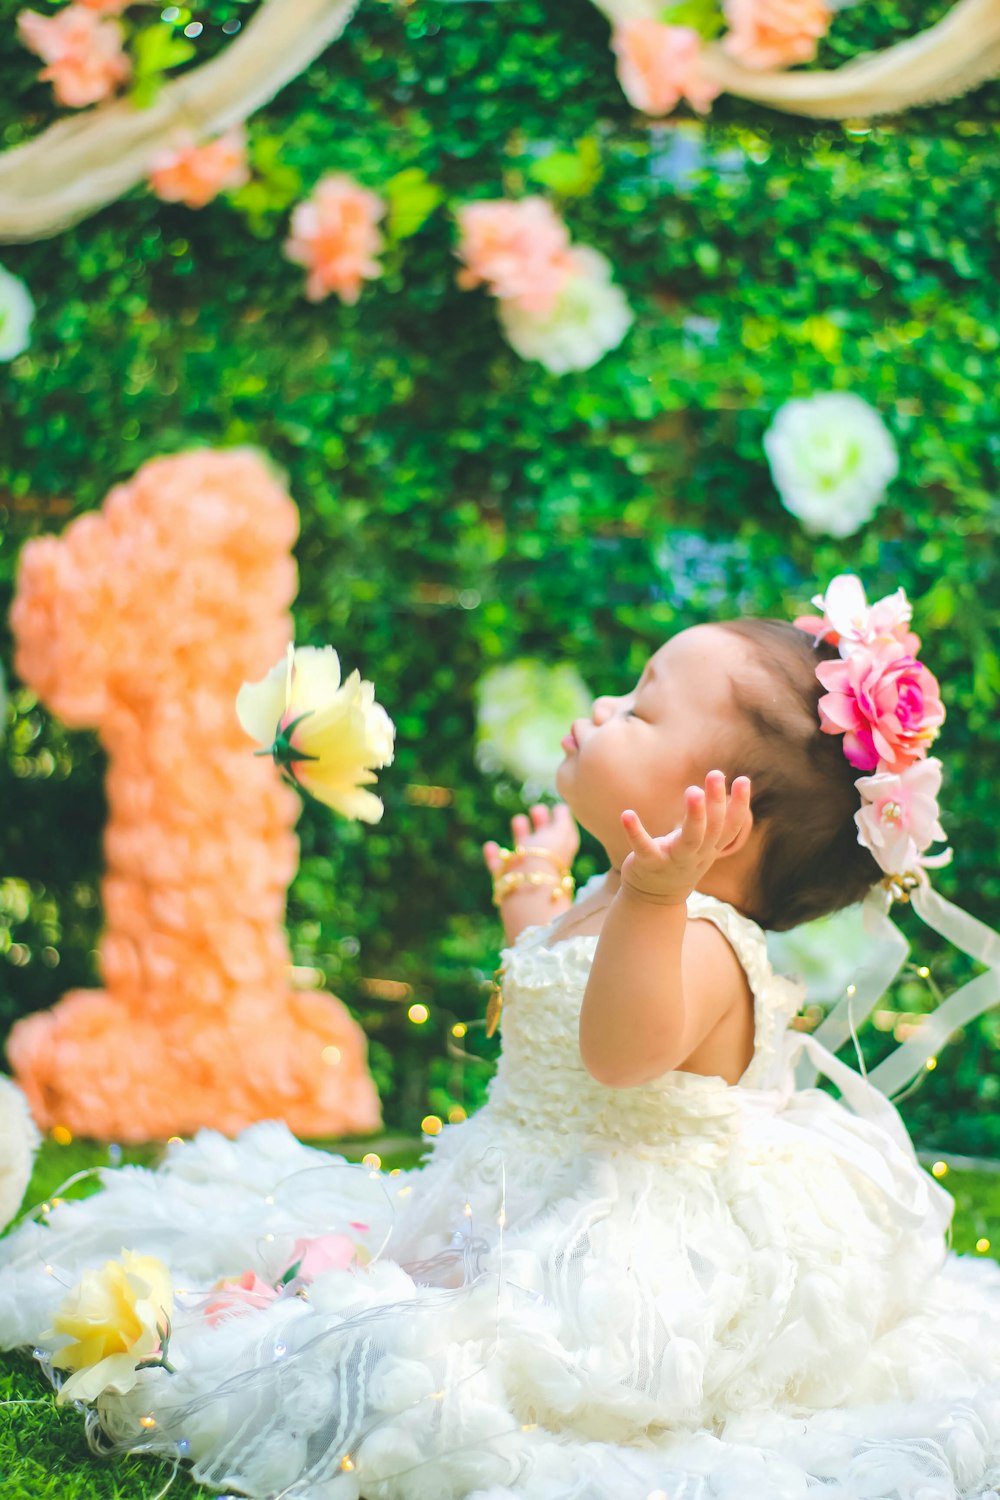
<point>460,506</point>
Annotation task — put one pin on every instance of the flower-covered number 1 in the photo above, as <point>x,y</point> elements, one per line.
<point>141,621</point>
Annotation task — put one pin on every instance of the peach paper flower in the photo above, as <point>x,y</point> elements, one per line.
<point>774,33</point>
<point>325,734</point>
<point>848,619</point>
<point>519,250</point>
<point>329,1252</point>
<point>106,7</point>
<point>898,817</point>
<point>194,174</point>
<point>885,704</point>
<point>658,65</point>
<point>239,1295</point>
<point>83,51</point>
<point>335,236</point>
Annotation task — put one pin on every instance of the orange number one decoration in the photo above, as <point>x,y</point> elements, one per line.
<point>142,621</point>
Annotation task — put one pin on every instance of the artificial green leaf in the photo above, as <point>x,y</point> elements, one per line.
<point>703,16</point>
<point>155,50</point>
<point>571,174</point>
<point>412,199</point>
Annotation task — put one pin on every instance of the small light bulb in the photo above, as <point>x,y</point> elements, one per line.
<point>982,1245</point>
<point>940,1169</point>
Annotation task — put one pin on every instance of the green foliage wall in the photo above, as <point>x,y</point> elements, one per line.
<point>460,506</point>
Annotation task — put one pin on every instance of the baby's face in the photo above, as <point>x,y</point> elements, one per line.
<point>678,723</point>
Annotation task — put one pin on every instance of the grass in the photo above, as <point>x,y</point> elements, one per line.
<point>43,1453</point>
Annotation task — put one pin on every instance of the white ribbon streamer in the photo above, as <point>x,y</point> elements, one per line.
<point>868,1134</point>
<point>973,999</point>
<point>887,955</point>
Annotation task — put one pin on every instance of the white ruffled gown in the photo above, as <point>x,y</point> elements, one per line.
<point>688,1289</point>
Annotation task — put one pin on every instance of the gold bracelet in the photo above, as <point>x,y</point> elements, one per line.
<point>514,879</point>
<point>504,884</point>
<point>521,852</point>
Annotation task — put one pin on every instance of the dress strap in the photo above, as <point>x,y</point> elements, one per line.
<point>776,999</point>
<point>743,934</point>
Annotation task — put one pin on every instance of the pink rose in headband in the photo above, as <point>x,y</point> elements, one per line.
<point>886,704</point>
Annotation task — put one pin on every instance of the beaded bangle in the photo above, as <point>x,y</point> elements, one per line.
<point>520,851</point>
<point>514,879</point>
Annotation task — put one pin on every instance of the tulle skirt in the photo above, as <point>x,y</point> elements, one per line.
<point>537,1320</point>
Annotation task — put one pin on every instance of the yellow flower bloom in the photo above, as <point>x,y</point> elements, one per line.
<point>326,734</point>
<point>115,1318</point>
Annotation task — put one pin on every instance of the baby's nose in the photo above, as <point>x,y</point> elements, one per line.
<point>602,709</point>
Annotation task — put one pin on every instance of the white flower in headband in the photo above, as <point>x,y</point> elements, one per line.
<point>899,818</point>
<point>887,706</point>
<point>848,620</point>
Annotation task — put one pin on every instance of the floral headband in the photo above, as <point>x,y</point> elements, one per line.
<point>887,705</point>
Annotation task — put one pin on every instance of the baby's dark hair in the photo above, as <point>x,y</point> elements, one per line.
<point>803,795</point>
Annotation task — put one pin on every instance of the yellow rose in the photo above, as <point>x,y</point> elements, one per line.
<point>327,735</point>
<point>116,1317</point>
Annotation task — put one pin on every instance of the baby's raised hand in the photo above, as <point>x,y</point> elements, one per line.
<point>668,869</point>
<point>551,828</point>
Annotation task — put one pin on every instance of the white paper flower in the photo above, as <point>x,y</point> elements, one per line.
<point>523,711</point>
<point>19,1140</point>
<point>899,817</point>
<point>831,459</point>
<point>16,312</point>
<point>591,316</point>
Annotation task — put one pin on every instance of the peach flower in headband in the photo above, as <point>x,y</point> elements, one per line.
<point>887,706</point>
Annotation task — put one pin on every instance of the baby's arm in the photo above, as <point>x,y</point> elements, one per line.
<point>659,984</point>
<point>532,905</point>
